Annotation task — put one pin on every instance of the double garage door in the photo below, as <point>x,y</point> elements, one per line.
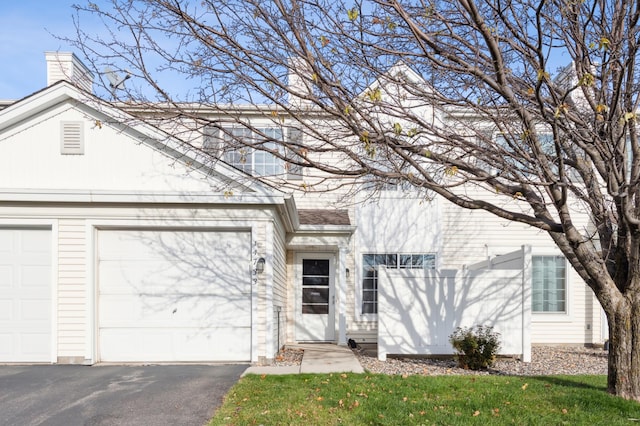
<point>168,296</point>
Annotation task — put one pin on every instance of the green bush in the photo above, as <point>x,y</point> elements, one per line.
<point>476,347</point>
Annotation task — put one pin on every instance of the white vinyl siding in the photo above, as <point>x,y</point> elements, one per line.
<point>72,297</point>
<point>472,236</point>
<point>279,266</point>
<point>265,298</point>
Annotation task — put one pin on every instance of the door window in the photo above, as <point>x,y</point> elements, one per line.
<point>315,286</point>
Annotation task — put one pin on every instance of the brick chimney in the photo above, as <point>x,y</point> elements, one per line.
<point>66,66</point>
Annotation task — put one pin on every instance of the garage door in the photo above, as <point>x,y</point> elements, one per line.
<point>25,295</point>
<point>171,296</point>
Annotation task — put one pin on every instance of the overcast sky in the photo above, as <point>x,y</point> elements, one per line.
<point>26,28</point>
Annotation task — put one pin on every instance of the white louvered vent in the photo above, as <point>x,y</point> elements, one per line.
<point>72,138</point>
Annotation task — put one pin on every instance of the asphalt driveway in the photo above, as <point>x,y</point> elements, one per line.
<point>113,395</point>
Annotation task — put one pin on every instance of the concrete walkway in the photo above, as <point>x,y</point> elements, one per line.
<point>317,358</point>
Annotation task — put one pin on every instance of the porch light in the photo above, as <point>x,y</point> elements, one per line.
<point>260,265</point>
<point>347,272</point>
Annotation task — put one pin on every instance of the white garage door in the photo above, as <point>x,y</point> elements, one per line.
<point>25,295</point>
<point>174,296</point>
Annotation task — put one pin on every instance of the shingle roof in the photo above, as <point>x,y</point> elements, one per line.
<point>323,217</point>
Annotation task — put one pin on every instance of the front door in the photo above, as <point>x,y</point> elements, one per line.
<point>315,299</point>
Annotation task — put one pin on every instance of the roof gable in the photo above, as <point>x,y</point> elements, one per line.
<point>120,153</point>
<point>398,87</point>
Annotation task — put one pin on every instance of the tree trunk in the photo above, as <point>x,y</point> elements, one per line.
<point>624,349</point>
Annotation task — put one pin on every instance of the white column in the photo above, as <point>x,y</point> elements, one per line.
<point>342,296</point>
<point>268,278</point>
<point>254,295</point>
<point>527,282</point>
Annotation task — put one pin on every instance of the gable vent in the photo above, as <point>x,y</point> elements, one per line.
<point>72,136</point>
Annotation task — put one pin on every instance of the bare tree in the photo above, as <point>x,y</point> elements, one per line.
<point>416,91</point>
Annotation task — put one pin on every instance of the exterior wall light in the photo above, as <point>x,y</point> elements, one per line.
<point>260,265</point>
<point>347,272</point>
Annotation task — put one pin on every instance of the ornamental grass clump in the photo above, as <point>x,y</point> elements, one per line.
<point>476,347</point>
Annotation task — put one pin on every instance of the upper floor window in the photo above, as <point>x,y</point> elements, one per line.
<point>254,161</point>
<point>511,148</point>
<point>389,185</point>
<point>257,151</point>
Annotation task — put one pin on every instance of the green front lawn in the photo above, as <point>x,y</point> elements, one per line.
<point>374,399</point>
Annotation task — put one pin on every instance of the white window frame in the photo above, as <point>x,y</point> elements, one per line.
<point>256,162</point>
<point>567,315</point>
<point>360,299</point>
<point>390,187</point>
<point>214,140</point>
<point>545,136</point>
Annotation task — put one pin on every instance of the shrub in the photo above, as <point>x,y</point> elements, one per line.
<point>475,347</point>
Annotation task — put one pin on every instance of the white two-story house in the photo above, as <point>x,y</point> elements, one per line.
<point>123,241</point>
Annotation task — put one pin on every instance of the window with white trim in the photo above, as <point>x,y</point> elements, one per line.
<point>257,162</point>
<point>388,185</point>
<point>254,161</point>
<point>549,286</point>
<point>371,264</point>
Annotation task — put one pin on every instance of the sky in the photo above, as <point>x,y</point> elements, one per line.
<point>27,29</point>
